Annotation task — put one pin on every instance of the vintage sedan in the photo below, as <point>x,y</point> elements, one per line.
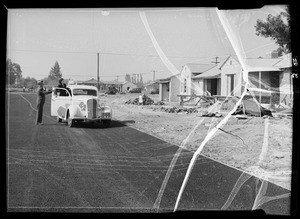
<point>79,103</point>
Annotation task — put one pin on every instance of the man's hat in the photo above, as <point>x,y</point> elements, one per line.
<point>40,82</point>
<point>60,80</point>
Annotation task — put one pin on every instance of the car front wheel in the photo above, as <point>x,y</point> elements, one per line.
<point>71,122</point>
<point>58,119</point>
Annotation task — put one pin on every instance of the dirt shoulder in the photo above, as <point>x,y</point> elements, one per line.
<point>239,143</point>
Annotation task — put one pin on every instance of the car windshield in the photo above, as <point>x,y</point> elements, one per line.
<point>84,92</point>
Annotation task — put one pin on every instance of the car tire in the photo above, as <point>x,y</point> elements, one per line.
<point>71,122</point>
<point>106,123</point>
<point>58,119</point>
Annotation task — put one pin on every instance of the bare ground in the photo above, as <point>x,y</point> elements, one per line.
<point>239,143</point>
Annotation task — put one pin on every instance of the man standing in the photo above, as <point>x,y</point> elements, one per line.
<point>40,102</point>
<point>61,84</point>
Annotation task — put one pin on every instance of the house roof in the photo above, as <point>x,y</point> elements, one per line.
<point>91,81</point>
<point>285,62</point>
<point>214,72</point>
<point>165,80</point>
<point>261,62</point>
<point>151,83</point>
<point>272,64</point>
<point>199,68</point>
<point>266,64</point>
<point>222,63</point>
<point>211,73</point>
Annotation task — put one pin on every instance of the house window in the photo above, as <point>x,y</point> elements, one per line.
<point>184,86</point>
<point>230,62</point>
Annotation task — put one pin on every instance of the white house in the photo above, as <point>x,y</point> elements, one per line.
<point>231,76</point>
<point>188,73</point>
<point>201,79</point>
<point>127,86</point>
<point>271,77</point>
<point>169,88</point>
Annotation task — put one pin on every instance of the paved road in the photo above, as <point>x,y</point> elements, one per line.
<point>90,169</point>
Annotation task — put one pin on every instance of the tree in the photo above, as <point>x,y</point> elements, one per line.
<point>55,72</point>
<point>112,90</point>
<point>29,82</point>
<point>278,29</point>
<point>13,72</point>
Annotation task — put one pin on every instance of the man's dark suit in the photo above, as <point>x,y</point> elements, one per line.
<point>40,103</point>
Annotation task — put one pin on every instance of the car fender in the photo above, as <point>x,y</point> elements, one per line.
<point>73,111</point>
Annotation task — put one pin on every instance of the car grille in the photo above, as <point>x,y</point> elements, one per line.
<point>92,108</point>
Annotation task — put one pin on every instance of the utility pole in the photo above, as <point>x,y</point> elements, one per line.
<point>153,76</point>
<point>98,78</point>
<point>117,77</point>
<point>216,62</point>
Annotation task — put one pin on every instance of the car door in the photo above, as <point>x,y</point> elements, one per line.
<point>59,103</point>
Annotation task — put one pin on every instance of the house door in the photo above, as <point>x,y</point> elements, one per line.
<point>165,91</point>
<point>212,86</point>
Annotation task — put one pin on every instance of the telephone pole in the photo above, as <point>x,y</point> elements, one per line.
<point>98,78</point>
<point>216,62</point>
<point>153,76</point>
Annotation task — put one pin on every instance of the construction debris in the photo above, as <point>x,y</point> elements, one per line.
<point>145,100</point>
<point>241,116</point>
<point>251,107</point>
<point>174,109</point>
<point>248,107</point>
<point>159,103</point>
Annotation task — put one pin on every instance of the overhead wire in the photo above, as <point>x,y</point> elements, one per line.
<point>111,53</point>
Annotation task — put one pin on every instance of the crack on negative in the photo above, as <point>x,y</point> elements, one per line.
<point>234,136</point>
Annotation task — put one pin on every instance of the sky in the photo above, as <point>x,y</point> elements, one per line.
<point>73,37</point>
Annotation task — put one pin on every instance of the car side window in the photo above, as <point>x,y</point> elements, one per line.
<point>61,92</point>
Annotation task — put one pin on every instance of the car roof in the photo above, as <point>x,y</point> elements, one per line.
<point>82,87</point>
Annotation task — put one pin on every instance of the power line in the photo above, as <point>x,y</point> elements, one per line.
<point>109,53</point>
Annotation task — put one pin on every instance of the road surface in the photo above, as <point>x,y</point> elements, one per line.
<point>54,168</point>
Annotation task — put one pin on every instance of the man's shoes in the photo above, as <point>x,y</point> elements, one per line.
<point>39,123</point>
